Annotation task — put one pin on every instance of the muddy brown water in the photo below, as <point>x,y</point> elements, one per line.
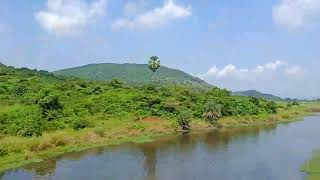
<point>248,153</point>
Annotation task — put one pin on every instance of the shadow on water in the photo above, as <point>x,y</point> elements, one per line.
<point>181,144</point>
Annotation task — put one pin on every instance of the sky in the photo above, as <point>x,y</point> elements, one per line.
<point>271,46</point>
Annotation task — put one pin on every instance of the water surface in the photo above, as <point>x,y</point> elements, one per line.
<point>249,153</point>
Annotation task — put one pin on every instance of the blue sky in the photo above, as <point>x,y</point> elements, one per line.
<point>272,46</point>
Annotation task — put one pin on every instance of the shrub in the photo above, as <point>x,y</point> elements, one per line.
<point>255,101</point>
<point>3,72</point>
<point>31,127</point>
<point>23,121</point>
<point>78,124</point>
<point>295,103</point>
<point>212,112</point>
<point>82,84</point>
<point>169,107</point>
<point>271,107</point>
<point>217,92</point>
<point>184,120</point>
<point>50,107</point>
<point>3,151</point>
<point>95,91</point>
<point>116,83</point>
<point>20,90</point>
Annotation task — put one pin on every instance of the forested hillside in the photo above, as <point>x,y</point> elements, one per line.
<point>34,101</point>
<point>254,93</point>
<point>132,73</point>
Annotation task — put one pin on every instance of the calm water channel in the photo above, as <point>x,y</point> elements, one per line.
<point>250,153</point>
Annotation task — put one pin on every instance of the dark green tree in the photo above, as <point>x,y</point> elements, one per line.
<point>255,101</point>
<point>50,107</point>
<point>271,107</point>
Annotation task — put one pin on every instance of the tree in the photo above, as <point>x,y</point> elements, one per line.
<point>271,107</point>
<point>217,92</point>
<point>212,112</point>
<point>184,120</point>
<point>255,101</point>
<point>154,64</point>
<point>51,107</point>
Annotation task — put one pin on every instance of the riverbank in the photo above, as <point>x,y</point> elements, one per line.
<point>312,167</point>
<point>19,151</point>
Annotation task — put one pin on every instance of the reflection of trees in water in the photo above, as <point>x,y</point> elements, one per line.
<point>42,170</point>
<point>150,160</point>
<point>47,168</point>
<point>223,137</point>
<point>181,144</point>
<point>186,143</point>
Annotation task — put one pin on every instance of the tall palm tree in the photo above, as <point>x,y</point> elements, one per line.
<point>154,65</point>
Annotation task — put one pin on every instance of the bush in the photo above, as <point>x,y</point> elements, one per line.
<point>169,107</point>
<point>149,88</point>
<point>217,92</point>
<point>212,112</point>
<point>95,91</point>
<point>31,127</point>
<point>271,107</point>
<point>23,121</point>
<point>255,101</point>
<point>184,120</point>
<point>20,90</point>
<point>50,107</point>
<point>78,124</point>
<point>116,83</point>
<point>3,151</point>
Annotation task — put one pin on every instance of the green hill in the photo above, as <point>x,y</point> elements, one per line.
<point>254,93</point>
<point>132,73</point>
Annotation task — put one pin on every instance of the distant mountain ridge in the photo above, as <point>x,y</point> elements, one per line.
<point>255,93</point>
<point>131,73</point>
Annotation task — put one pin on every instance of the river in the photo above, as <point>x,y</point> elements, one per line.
<point>248,153</point>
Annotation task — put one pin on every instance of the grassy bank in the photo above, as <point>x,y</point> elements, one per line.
<point>312,167</point>
<point>18,151</point>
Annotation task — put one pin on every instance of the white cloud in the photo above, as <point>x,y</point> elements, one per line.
<point>154,18</point>
<point>275,65</point>
<point>294,71</point>
<point>296,13</point>
<point>276,76</point>
<point>231,70</point>
<point>65,17</point>
<point>270,66</point>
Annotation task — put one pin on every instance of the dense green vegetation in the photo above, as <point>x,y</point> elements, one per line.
<point>42,115</point>
<point>132,74</point>
<point>254,93</point>
<point>36,101</point>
